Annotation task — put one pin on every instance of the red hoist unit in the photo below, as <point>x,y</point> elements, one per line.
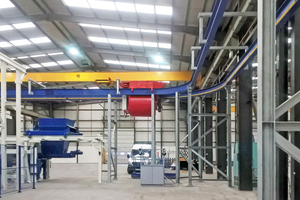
<point>140,106</point>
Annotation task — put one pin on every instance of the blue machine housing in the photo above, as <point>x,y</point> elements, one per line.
<point>54,127</point>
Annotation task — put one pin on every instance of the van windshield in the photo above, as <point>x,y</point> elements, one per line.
<point>145,152</point>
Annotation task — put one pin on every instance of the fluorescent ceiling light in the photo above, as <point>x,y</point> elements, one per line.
<point>153,66</point>
<point>104,5</point>
<point>54,54</point>
<point>150,44</point>
<point>5,27</point>
<point>254,78</point>
<point>164,10</point>
<point>24,25</point>
<point>36,56</point>
<point>49,64</point>
<point>93,88</point>
<point>35,65</point>
<point>112,27</point>
<point>77,3</point>
<point>5,44</point>
<point>6,4</point>
<point>254,64</point>
<point>90,25</point>
<point>127,7</point>
<point>140,8</point>
<point>112,62</point>
<point>135,43</point>
<point>117,41</point>
<point>148,31</point>
<point>290,28</point>
<point>164,32</point>
<point>141,64</point>
<point>165,67</point>
<point>98,39</point>
<point>40,40</point>
<point>23,57</point>
<point>132,29</point>
<point>128,63</point>
<point>65,62</point>
<point>20,42</point>
<point>164,45</point>
<point>290,40</point>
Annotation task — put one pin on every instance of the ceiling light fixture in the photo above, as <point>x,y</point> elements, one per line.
<point>35,65</point>
<point>103,5</point>
<point>36,56</point>
<point>49,64</point>
<point>5,44</point>
<point>40,40</point>
<point>77,3</point>
<point>140,8</point>
<point>164,45</point>
<point>148,31</point>
<point>54,54</point>
<point>74,51</point>
<point>112,62</point>
<point>98,39</point>
<point>6,4</point>
<point>90,25</point>
<point>65,62</point>
<point>6,28</point>
<point>23,57</point>
<point>112,27</point>
<point>24,25</point>
<point>163,10</point>
<point>158,59</point>
<point>127,7</point>
<point>20,42</point>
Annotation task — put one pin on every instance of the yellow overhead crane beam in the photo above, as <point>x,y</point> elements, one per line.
<point>93,76</point>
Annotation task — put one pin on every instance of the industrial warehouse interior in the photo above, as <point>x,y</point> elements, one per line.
<point>150,99</point>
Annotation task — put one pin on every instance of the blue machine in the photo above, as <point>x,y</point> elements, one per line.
<point>53,149</point>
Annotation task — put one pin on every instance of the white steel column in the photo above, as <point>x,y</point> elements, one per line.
<point>200,164</point>
<point>116,138</point>
<point>153,131</point>
<point>4,128</point>
<point>109,138</point>
<point>189,132</point>
<point>229,159</point>
<point>266,99</point>
<point>177,136</point>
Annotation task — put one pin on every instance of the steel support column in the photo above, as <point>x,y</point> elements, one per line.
<point>109,156</point>
<point>221,134</point>
<point>295,112</point>
<point>200,132</point>
<point>153,131</point>
<point>116,138</point>
<point>229,153</point>
<point>266,99</point>
<point>244,105</point>
<point>282,96</point>
<point>189,132</point>
<point>4,127</point>
<point>177,136</point>
<point>208,138</point>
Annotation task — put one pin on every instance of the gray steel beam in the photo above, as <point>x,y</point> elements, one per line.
<point>89,20</point>
<point>266,99</point>
<point>209,137</point>
<point>230,14</point>
<point>28,112</point>
<point>221,135</point>
<point>244,109</point>
<point>282,80</point>
<point>288,126</point>
<point>287,147</point>
<point>288,104</point>
<point>221,47</point>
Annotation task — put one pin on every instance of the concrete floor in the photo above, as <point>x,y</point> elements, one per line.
<point>79,181</point>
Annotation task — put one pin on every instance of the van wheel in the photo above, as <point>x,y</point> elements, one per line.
<point>130,170</point>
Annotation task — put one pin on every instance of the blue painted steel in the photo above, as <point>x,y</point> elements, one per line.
<point>283,14</point>
<point>57,149</point>
<point>50,127</point>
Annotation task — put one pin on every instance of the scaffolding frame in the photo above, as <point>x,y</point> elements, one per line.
<point>192,148</point>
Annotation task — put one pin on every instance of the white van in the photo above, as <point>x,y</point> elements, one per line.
<point>140,154</point>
